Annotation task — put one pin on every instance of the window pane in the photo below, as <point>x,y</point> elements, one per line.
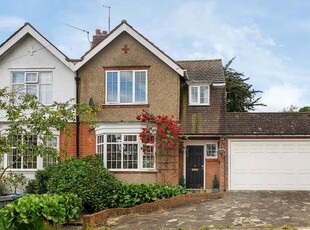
<point>194,94</point>
<point>126,87</point>
<point>204,94</point>
<point>140,86</point>
<point>46,78</point>
<point>130,156</point>
<point>211,150</point>
<point>148,158</point>
<point>112,87</point>
<point>18,77</point>
<point>32,89</point>
<point>45,94</point>
<point>31,77</point>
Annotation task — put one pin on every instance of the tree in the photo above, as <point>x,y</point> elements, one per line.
<point>290,109</point>
<point>304,109</point>
<point>240,95</point>
<point>29,125</point>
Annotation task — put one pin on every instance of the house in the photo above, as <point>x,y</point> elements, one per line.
<point>124,73</point>
<point>30,62</point>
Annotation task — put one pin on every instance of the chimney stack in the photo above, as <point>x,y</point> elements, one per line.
<point>98,37</point>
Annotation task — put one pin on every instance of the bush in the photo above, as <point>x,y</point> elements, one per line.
<point>215,182</point>
<point>87,178</point>
<point>2,188</point>
<point>131,195</point>
<point>39,184</point>
<point>28,212</point>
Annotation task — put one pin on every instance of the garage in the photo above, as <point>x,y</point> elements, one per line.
<point>269,164</point>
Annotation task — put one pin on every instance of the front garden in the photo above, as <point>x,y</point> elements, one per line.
<point>60,193</point>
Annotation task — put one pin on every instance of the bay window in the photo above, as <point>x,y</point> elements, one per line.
<point>123,152</point>
<point>126,87</point>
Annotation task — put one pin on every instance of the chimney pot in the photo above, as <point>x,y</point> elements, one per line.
<point>98,31</point>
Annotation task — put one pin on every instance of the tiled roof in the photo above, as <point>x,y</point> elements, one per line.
<point>280,123</point>
<point>209,71</point>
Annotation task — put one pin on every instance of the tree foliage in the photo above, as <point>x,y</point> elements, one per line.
<point>304,109</point>
<point>26,118</point>
<point>241,97</point>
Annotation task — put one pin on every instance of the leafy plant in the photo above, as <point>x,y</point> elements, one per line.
<point>39,184</point>
<point>87,178</point>
<point>133,194</point>
<point>14,181</point>
<point>215,183</point>
<point>38,124</point>
<point>2,188</point>
<point>28,212</point>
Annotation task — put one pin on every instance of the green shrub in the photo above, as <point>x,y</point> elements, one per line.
<point>215,182</point>
<point>2,188</point>
<point>39,184</point>
<point>87,178</point>
<point>131,195</point>
<point>28,212</point>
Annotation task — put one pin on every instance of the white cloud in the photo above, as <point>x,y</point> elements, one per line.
<point>278,97</point>
<point>11,22</point>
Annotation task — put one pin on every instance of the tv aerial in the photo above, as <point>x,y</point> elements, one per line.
<point>109,16</point>
<point>85,31</point>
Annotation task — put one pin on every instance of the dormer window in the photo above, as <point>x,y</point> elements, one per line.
<point>199,95</point>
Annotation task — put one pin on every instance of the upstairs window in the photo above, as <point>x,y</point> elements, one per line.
<point>35,83</point>
<point>126,87</point>
<point>199,95</point>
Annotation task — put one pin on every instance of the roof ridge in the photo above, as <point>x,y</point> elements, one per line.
<point>201,60</point>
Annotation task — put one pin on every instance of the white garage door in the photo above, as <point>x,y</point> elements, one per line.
<point>269,165</point>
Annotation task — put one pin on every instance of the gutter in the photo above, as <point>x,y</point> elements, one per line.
<point>77,120</point>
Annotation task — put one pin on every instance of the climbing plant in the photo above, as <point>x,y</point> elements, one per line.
<point>164,131</point>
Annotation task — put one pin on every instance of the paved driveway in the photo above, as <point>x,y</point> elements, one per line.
<point>236,209</point>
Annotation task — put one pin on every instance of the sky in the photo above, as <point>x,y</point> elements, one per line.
<point>270,39</point>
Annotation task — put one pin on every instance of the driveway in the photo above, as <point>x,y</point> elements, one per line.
<point>235,209</point>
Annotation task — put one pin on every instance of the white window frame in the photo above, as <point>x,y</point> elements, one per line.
<point>39,158</point>
<point>29,82</point>
<point>32,83</point>
<point>216,148</point>
<point>123,130</point>
<point>118,102</point>
<point>199,88</point>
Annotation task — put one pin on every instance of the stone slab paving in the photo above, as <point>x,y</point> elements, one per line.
<point>257,209</point>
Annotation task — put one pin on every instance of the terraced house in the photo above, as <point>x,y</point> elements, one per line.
<point>124,73</point>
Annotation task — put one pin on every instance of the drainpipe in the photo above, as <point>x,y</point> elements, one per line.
<point>77,120</point>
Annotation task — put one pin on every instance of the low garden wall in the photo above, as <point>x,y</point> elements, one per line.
<point>99,218</point>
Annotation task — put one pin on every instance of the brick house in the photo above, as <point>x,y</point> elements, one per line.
<point>124,73</point>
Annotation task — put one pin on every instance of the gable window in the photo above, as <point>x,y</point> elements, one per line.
<point>123,152</point>
<point>126,87</point>
<point>211,151</point>
<point>199,95</point>
<point>35,83</point>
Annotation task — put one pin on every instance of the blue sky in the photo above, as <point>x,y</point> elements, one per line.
<point>270,39</point>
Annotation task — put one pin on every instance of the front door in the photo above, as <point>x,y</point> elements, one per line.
<point>194,167</point>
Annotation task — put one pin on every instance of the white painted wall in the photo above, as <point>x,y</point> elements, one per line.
<point>20,59</point>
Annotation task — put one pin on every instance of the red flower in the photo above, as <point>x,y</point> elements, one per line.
<point>170,145</point>
<point>138,117</point>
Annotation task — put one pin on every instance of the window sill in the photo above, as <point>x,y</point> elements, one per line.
<point>195,105</point>
<point>125,106</point>
<point>143,171</point>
